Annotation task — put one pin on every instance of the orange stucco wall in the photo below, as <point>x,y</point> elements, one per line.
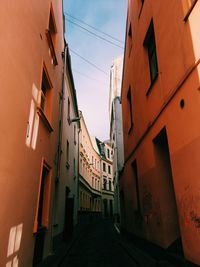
<point>24,48</point>
<point>178,79</point>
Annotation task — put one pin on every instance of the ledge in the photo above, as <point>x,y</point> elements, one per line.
<point>44,119</point>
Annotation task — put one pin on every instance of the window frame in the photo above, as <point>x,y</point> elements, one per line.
<point>150,47</point>
<point>130,109</point>
<point>51,37</point>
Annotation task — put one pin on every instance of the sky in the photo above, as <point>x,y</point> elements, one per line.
<point>92,85</point>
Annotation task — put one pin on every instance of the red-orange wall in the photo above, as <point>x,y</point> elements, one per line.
<point>24,48</point>
<point>178,79</point>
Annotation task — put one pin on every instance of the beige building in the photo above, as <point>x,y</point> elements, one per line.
<point>107,189</point>
<point>89,173</point>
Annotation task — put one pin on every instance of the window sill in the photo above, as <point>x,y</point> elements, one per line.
<point>189,11</point>
<point>51,46</point>
<point>44,119</point>
<point>151,85</point>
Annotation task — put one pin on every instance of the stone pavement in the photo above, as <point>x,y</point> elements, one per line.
<point>98,244</point>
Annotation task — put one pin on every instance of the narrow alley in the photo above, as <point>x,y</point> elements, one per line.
<point>99,243</point>
<point>100,133</point>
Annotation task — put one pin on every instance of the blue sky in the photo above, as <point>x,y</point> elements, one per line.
<point>92,91</point>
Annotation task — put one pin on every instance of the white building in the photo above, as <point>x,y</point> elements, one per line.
<point>115,81</point>
<point>116,133</point>
<point>65,203</point>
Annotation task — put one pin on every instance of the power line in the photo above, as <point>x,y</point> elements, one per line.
<point>96,35</point>
<point>92,27</point>
<point>88,77</point>
<point>95,66</point>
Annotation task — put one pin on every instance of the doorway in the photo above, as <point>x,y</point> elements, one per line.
<point>166,193</point>
<point>42,213</point>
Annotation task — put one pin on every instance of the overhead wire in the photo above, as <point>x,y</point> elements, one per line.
<point>94,34</point>
<point>89,62</point>
<point>88,77</point>
<point>94,28</point>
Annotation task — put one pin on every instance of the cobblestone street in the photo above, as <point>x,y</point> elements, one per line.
<point>100,246</point>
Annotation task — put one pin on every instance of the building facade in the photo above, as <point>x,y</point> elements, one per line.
<point>107,189</point>
<point>116,132</point>
<point>116,138</point>
<point>160,105</point>
<point>31,73</point>
<point>66,186</point>
<point>89,187</point>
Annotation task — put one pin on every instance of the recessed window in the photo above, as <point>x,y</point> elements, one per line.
<point>68,110</point>
<point>108,153</point>
<point>42,215</point>
<point>67,154</point>
<point>104,183</point>
<point>104,167</point>
<point>150,45</point>
<point>46,91</point>
<point>51,35</point>
<point>129,39</point>
<point>109,169</point>
<point>75,134</point>
<point>130,111</point>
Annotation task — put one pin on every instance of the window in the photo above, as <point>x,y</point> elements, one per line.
<point>108,153</point>
<point>43,204</point>
<point>109,169</point>
<point>150,45</point>
<point>104,184</point>
<point>68,110</point>
<point>130,114</point>
<point>92,181</point>
<point>75,134</point>
<point>188,7</point>
<point>45,100</point>
<point>129,40</point>
<point>51,36</point>
<point>104,167</point>
<point>67,154</point>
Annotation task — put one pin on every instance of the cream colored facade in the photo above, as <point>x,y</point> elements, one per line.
<point>116,131</point>
<point>89,172</point>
